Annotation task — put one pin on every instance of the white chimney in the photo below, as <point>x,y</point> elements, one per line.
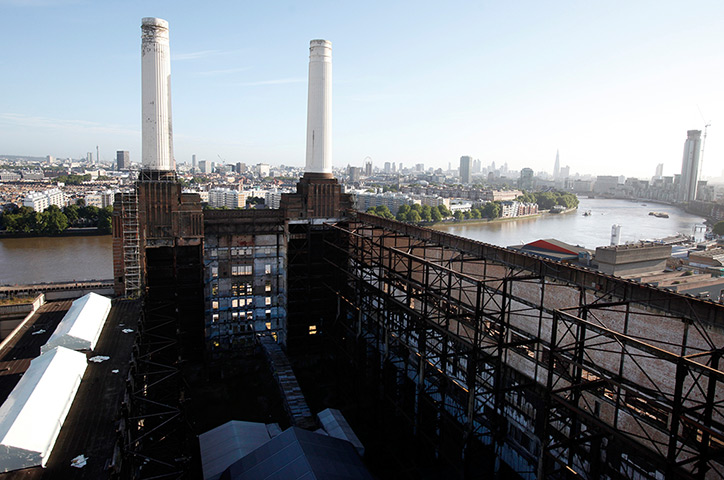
<point>615,234</point>
<point>319,108</point>
<point>157,137</point>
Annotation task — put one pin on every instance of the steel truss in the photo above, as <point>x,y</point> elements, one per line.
<point>159,442</point>
<point>154,416</point>
<point>560,379</point>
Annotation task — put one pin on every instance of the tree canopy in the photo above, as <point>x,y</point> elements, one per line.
<point>718,228</point>
<point>548,200</point>
<point>53,220</point>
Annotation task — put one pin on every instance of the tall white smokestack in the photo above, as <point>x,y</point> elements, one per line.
<point>157,137</point>
<point>615,234</point>
<point>319,108</point>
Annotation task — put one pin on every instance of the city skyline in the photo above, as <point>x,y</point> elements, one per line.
<point>614,88</point>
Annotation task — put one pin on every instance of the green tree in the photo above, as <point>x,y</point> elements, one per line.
<point>104,219</point>
<point>435,213</point>
<point>402,212</point>
<point>414,217</point>
<point>444,211</point>
<point>88,215</point>
<point>426,213</point>
<point>475,213</point>
<point>384,212</point>
<point>52,221</point>
<point>491,210</point>
<point>718,228</point>
<point>546,200</point>
<point>26,220</point>
<point>72,214</point>
<point>458,215</point>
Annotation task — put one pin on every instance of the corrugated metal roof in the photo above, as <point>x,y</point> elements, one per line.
<point>298,454</point>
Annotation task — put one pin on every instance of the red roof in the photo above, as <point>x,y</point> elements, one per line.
<point>552,246</point>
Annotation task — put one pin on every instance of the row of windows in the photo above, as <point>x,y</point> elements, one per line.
<point>241,251</point>
<point>244,315</point>
<point>243,270</point>
<point>239,289</point>
<point>240,302</point>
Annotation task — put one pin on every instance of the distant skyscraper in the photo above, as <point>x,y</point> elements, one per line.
<point>388,167</point>
<point>89,157</point>
<point>354,173</point>
<point>122,159</point>
<point>465,162</point>
<point>690,166</point>
<point>564,172</point>
<point>157,140</point>
<point>526,179</point>
<point>368,168</point>
<point>193,162</point>
<point>659,171</point>
<point>557,167</point>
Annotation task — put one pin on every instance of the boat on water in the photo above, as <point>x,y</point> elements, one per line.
<point>659,214</point>
<point>587,213</point>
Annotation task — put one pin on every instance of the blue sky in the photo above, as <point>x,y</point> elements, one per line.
<point>613,85</point>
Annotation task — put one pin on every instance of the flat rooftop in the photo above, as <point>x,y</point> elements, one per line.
<point>90,427</point>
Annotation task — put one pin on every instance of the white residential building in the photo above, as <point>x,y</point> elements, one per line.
<point>226,197</point>
<point>39,201</point>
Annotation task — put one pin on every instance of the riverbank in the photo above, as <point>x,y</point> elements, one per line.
<point>70,232</point>
<point>486,221</point>
<point>577,229</point>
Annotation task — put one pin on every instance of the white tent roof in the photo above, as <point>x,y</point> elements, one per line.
<point>82,325</point>
<point>31,417</point>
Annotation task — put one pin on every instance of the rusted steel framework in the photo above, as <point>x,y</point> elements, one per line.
<point>158,439</point>
<point>153,415</point>
<point>561,371</point>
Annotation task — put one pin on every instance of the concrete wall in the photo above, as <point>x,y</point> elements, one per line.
<point>12,317</point>
<point>632,259</point>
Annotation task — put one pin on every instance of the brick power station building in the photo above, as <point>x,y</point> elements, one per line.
<point>491,359</point>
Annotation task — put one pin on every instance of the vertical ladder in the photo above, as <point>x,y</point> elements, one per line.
<point>131,244</point>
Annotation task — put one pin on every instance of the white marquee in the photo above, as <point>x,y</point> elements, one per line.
<point>31,417</point>
<point>82,325</point>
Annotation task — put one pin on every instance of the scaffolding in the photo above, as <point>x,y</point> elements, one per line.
<point>131,243</point>
<point>560,372</point>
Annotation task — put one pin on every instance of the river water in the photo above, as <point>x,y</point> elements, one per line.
<point>42,259</point>
<point>590,232</point>
<point>55,259</point>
